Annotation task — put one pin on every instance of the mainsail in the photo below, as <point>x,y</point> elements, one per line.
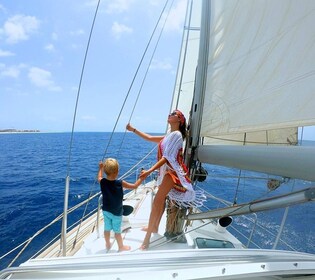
<point>185,80</point>
<point>260,67</point>
<point>254,84</point>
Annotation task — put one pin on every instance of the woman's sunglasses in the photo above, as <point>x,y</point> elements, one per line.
<point>173,114</point>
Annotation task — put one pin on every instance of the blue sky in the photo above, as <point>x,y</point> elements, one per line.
<point>42,47</point>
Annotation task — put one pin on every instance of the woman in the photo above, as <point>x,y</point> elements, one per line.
<point>173,180</point>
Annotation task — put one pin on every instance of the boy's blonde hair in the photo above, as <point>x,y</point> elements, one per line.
<point>111,166</point>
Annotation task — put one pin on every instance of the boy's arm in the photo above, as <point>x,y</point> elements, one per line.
<point>100,171</point>
<point>130,185</point>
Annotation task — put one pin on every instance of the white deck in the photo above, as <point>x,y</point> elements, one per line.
<point>163,260</point>
<point>133,233</point>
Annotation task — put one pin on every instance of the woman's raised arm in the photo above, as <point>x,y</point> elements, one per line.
<point>145,136</point>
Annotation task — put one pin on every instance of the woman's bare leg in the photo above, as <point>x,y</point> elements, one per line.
<point>157,209</point>
<point>155,228</point>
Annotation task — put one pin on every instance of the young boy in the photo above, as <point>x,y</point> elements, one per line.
<point>112,191</point>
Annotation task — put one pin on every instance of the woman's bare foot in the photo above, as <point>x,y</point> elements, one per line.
<point>145,228</point>
<point>146,242</point>
<point>144,246</point>
<point>124,248</point>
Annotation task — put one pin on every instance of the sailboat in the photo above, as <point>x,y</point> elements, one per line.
<point>245,79</point>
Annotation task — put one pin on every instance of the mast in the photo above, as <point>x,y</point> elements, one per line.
<point>200,85</point>
<point>183,52</point>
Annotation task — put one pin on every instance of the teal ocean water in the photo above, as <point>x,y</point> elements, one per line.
<point>33,167</point>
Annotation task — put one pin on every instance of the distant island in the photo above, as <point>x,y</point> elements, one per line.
<point>12,130</point>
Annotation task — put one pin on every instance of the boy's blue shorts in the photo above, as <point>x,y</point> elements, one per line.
<point>112,222</point>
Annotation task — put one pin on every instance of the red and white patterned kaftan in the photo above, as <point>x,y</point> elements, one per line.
<point>171,148</point>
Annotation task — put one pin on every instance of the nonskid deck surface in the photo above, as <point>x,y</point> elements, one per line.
<point>133,229</point>
<point>90,240</point>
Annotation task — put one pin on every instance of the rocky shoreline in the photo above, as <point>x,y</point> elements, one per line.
<point>12,130</point>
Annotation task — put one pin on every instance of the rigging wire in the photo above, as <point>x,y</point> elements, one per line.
<point>147,70</point>
<point>73,124</point>
<point>124,102</point>
<point>79,88</point>
<point>239,177</point>
<point>134,78</point>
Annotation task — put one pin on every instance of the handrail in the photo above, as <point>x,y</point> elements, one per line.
<point>249,239</point>
<point>54,221</point>
<point>98,215</point>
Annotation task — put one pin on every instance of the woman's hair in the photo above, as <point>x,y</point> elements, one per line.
<point>183,130</point>
<point>182,124</point>
<point>111,166</point>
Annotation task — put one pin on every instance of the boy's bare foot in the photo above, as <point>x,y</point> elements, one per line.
<point>108,246</point>
<point>124,248</point>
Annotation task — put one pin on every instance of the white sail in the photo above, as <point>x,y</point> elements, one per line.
<point>259,79</point>
<point>185,79</point>
<point>285,136</point>
<point>257,63</point>
<point>249,83</point>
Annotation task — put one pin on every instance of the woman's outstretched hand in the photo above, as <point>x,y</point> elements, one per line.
<point>144,174</point>
<point>129,127</point>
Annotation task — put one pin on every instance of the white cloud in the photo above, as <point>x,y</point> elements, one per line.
<point>12,72</point>
<point>161,65</point>
<point>19,28</point>
<point>77,32</point>
<point>42,78</point>
<point>50,48</point>
<point>88,118</point>
<point>176,17</point>
<point>91,3</point>
<point>6,53</point>
<point>2,8</point>
<point>54,36</point>
<point>118,29</point>
<point>118,6</point>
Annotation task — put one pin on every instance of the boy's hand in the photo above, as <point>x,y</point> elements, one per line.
<point>101,164</point>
